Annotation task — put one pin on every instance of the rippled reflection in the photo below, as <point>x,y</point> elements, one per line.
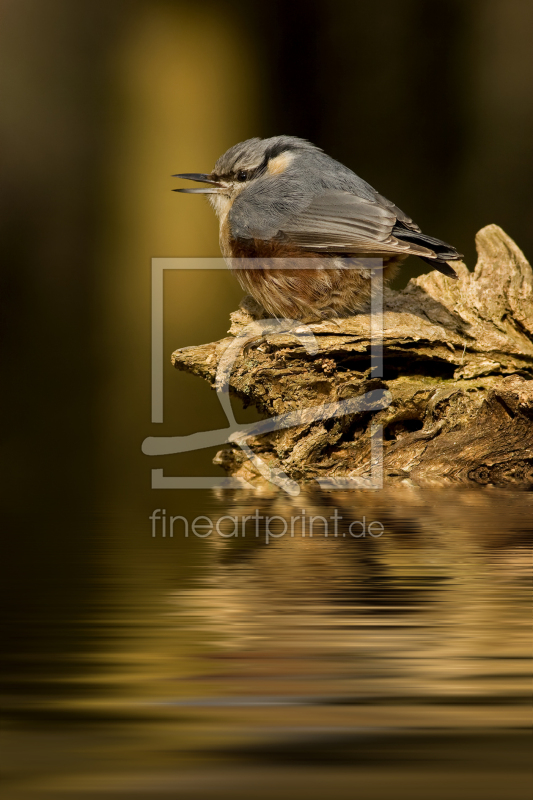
<point>435,610</point>
<point>307,665</point>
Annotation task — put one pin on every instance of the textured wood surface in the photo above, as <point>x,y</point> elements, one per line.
<point>457,360</point>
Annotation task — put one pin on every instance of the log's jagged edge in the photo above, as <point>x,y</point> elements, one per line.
<point>458,361</point>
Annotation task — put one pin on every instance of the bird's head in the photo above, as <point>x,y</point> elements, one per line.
<point>247,164</point>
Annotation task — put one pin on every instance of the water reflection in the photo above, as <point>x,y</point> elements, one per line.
<point>426,610</point>
<point>306,665</point>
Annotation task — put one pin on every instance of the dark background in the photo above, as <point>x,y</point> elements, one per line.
<point>432,103</point>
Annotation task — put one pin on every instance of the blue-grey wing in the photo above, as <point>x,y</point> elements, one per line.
<point>332,221</point>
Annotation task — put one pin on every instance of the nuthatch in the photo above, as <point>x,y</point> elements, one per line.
<point>284,198</point>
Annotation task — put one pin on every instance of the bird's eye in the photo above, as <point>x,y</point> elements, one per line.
<point>242,175</point>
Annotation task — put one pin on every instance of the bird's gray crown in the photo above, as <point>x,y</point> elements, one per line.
<point>256,153</point>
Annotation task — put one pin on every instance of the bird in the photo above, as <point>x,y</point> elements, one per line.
<point>295,227</point>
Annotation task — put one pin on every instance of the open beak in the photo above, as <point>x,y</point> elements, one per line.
<point>214,188</point>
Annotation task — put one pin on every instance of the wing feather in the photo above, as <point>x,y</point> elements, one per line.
<point>337,221</point>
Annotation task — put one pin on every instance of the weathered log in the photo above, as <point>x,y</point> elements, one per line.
<point>458,362</point>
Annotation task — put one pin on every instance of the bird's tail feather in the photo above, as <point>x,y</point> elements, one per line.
<point>444,252</point>
<point>442,266</point>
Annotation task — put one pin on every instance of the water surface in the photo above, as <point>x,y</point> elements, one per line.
<point>306,665</point>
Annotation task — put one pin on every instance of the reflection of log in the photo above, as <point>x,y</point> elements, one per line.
<point>449,560</point>
<point>458,361</point>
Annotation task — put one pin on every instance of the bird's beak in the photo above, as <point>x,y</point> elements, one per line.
<point>214,188</point>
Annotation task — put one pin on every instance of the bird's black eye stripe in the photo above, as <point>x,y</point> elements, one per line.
<point>277,149</point>
<point>249,174</point>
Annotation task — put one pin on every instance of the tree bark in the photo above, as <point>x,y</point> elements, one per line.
<point>458,363</point>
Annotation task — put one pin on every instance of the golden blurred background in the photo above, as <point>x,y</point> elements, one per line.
<point>102,102</point>
<point>432,103</point>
